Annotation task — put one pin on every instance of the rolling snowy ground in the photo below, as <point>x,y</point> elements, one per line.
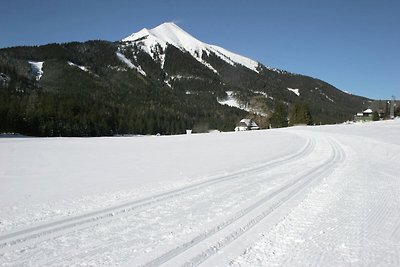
<point>321,196</point>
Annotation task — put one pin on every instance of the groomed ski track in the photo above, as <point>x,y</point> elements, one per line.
<point>309,207</point>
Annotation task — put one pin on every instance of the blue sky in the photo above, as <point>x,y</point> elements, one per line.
<point>354,45</point>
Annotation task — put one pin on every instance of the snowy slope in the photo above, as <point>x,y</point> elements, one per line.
<point>130,64</point>
<point>170,33</point>
<point>298,196</point>
<point>37,69</point>
<point>83,68</point>
<point>294,91</point>
<point>232,101</point>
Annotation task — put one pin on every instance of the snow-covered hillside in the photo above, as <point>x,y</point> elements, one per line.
<point>37,69</point>
<point>169,33</point>
<point>299,196</point>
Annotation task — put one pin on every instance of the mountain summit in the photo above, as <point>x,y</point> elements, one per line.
<point>161,80</point>
<point>170,33</point>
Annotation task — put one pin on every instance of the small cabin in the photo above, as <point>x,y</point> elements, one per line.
<point>366,115</point>
<point>246,125</point>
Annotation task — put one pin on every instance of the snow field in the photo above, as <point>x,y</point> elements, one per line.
<point>294,91</point>
<point>50,178</point>
<point>319,196</point>
<point>37,69</point>
<point>129,63</point>
<point>352,219</point>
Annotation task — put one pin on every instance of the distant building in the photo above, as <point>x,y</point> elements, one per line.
<point>246,125</point>
<point>366,115</point>
<point>385,108</point>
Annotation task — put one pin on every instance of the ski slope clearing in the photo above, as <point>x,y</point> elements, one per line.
<point>300,196</point>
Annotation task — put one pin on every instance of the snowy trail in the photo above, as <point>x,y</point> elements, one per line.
<point>230,201</point>
<point>71,224</point>
<point>43,232</point>
<point>324,202</point>
<point>216,190</point>
<point>48,179</point>
<point>288,191</point>
<point>348,221</point>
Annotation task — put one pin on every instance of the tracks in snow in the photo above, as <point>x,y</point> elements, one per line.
<point>245,219</point>
<point>44,231</point>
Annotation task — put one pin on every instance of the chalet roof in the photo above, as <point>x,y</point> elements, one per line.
<point>368,111</point>
<point>249,123</point>
<point>241,124</point>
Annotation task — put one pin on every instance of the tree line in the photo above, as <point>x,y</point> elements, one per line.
<point>288,115</point>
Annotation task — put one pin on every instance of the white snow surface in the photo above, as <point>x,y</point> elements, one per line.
<point>347,92</point>
<point>37,69</point>
<point>264,94</point>
<point>232,101</point>
<point>327,97</point>
<point>299,196</point>
<point>295,91</point>
<point>83,68</point>
<point>170,33</point>
<point>130,64</point>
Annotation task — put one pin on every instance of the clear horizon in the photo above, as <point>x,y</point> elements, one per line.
<point>352,45</point>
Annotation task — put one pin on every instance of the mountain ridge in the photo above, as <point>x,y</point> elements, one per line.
<point>161,80</point>
<point>170,33</point>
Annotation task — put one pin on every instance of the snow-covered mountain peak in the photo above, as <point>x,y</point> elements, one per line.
<point>170,33</point>
<point>138,35</point>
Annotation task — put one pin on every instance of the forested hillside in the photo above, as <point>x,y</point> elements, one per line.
<point>101,88</point>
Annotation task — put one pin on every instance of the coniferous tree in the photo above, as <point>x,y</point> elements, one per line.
<point>375,116</point>
<point>280,116</point>
<point>300,114</point>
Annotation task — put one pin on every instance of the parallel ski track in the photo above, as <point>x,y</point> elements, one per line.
<point>289,191</point>
<point>83,220</point>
